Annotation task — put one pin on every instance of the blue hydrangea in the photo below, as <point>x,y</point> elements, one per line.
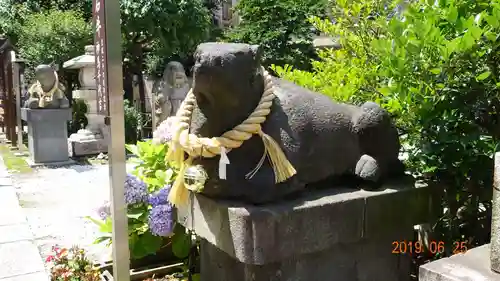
<point>136,190</point>
<point>161,221</point>
<point>104,211</point>
<point>160,197</point>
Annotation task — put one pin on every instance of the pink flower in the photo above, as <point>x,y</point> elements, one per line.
<point>163,132</point>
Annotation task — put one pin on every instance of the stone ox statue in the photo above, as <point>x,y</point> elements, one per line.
<point>47,92</point>
<point>320,138</point>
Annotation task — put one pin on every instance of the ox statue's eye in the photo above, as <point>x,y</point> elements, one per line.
<point>201,99</point>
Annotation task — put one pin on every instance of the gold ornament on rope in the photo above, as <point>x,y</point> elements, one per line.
<point>184,142</point>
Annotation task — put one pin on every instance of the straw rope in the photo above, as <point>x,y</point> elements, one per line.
<point>185,142</point>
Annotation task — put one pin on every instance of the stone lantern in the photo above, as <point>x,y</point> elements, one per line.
<point>94,138</point>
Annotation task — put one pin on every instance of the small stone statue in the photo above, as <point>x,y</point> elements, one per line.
<point>321,138</point>
<point>174,88</point>
<point>47,92</point>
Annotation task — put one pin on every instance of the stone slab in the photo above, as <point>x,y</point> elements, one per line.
<point>37,276</point>
<point>19,258</point>
<point>14,233</point>
<point>9,201</point>
<point>474,265</point>
<point>88,147</point>
<point>316,222</point>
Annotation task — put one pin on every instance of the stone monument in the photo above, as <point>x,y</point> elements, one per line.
<point>172,91</point>
<point>478,264</point>
<point>94,138</point>
<point>256,150</point>
<point>47,112</point>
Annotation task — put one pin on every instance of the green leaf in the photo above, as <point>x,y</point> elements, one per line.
<point>435,70</point>
<point>169,174</point>
<point>146,244</point>
<point>98,222</point>
<point>132,149</point>
<point>152,181</point>
<point>107,227</point>
<point>181,242</point>
<point>483,76</point>
<point>102,239</point>
<point>452,14</point>
<point>493,21</point>
<point>135,215</point>
<point>160,175</point>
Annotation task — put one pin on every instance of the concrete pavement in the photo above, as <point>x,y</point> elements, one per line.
<point>20,259</point>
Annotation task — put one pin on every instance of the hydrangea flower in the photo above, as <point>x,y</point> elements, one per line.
<point>104,211</point>
<point>163,132</point>
<point>136,190</point>
<point>161,222</point>
<point>160,197</point>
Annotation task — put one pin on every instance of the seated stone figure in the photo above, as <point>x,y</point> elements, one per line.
<point>173,90</point>
<point>47,92</point>
<point>321,138</point>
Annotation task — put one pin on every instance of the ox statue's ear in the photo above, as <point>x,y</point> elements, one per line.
<point>257,52</point>
<point>54,66</point>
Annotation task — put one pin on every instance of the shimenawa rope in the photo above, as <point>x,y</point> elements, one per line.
<point>49,94</point>
<point>184,142</point>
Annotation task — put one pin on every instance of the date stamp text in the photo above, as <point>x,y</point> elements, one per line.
<point>434,247</point>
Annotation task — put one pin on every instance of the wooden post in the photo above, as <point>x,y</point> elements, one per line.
<point>2,93</point>
<point>6,98</point>
<point>12,103</point>
<point>109,78</point>
<point>17,92</point>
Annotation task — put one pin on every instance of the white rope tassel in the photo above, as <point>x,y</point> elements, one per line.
<point>223,162</point>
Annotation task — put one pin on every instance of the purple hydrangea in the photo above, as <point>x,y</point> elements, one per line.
<point>161,221</point>
<point>104,211</point>
<point>160,197</point>
<point>163,132</point>
<point>136,190</point>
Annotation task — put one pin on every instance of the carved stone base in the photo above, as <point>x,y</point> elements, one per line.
<point>337,234</point>
<point>85,142</point>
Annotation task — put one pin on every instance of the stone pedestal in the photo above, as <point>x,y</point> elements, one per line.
<point>94,138</point>
<point>474,265</point>
<point>47,135</point>
<point>336,234</point>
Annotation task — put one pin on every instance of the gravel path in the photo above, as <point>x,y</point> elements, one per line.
<point>56,202</point>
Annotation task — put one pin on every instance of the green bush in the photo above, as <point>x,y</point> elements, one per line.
<point>52,37</point>
<point>280,27</point>
<point>133,122</point>
<point>435,68</point>
<point>79,120</point>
